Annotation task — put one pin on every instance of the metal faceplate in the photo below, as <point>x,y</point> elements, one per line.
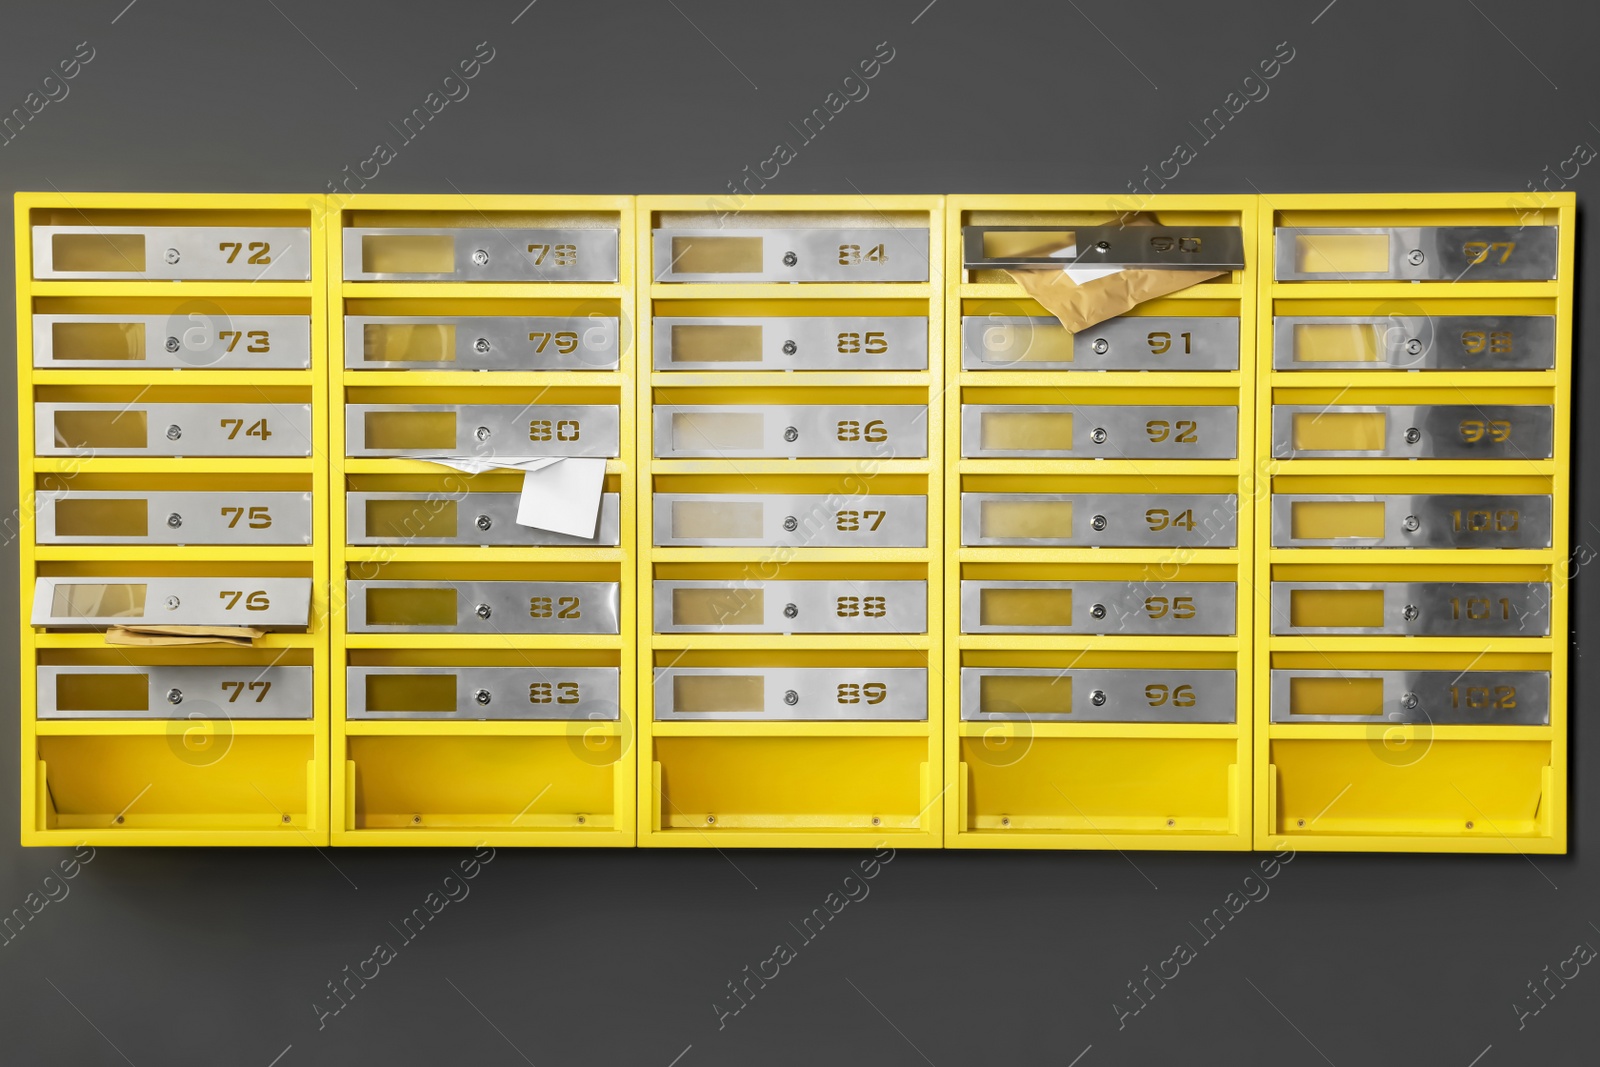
<point>178,253</point>
<point>1428,431</point>
<point>1100,431</point>
<point>791,694</point>
<point>484,255</point>
<point>95,603</point>
<point>484,693</point>
<point>1181,609</point>
<point>1426,520</point>
<point>199,335</point>
<point>497,343</point>
<point>798,431</point>
<point>1138,695</point>
<point>1433,609</point>
<point>1434,253</point>
<point>705,520</point>
<point>800,254</point>
<point>821,342</point>
<point>246,691</point>
<point>1417,342</point>
<point>177,693</point>
<point>484,431</point>
<point>237,518</point>
<point>804,607</point>
<point>483,607</point>
<point>235,430</point>
<point>1163,247</point>
<point>486,519</point>
<point>1016,342</point>
<point>1102,520</point>
<point>1443,698</point>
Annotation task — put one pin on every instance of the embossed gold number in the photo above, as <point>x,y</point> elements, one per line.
<point>1480,251</point>
<point>1181,696</point>
<point>865,692</point>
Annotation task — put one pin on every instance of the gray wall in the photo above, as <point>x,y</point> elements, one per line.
<point>212,956</point>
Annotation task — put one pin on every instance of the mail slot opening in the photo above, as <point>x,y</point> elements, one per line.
<point>727,606</point>
<point>1025,694</point>
<point>711,693</point>
<point>97,252</point>
<point>1022,431</point>
<point>1324,608</point>
<point>717,255</point>
<point>1337,343</point>
<point>124,428</point>
<point>1336,696</point>
<point>1316,520</point>
<point>716,344</point>
<point>404,519</point>
<point>411,607</point>
<point>1026,518</point>
<point>97,340</point>
<point>1025,607</point>
<point>700,520</point>
<point>411,692</point>
<point>102,692</point>
<point>1341,253</point>
<point>1026,244</point>
<point>99,517</point>
<point>411,429</point>
<point>698,430</point>
<point>408,253</point>
<point>423,342</point>
<point>87,600</point>
<point>1339,431</point>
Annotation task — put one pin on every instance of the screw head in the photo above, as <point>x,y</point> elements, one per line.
<point>711,819</point>
<point>790,348</point>
<point>174,432</point>
<point>1415,257</point>
<point>791,434</point>
<point>1469,824</point>
<point>790,697</point>
<point>1413,435</point>
<point>484,611</point>
<point>1005,820</point>
<point>483,522</point>
<point>1411,612</point>
<point>582,820</point>
<point>1101,346</point>
<point>482,696</point>
<point>481,345</point>
<point>1102,246</point>
<point>790,611</point>
<point>286,818</point>
<point>1098,611</point>
<point>790,259</point>
<point>790,523</point>
<point>172,256</point>
<point>1414,347</point>
<point>1172,822</point>
<point>1408,701</point>
<point>483,433</point>
<point>1098,698</point>
<point>1098,522</point>
<point>1299,822</point>
<point>1410,524</point>
<point>172,344</point>
<point>119,820</point>
<point>481,258</point>
<point>416,820</point>
<point>172,603</point>
<point>174,520</point>
<point>174,696</point>
<point>1098,435</point>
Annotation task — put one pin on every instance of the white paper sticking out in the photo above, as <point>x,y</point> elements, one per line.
<point>479,464</point>
<point>563,498</point>
<point>1080,275</point>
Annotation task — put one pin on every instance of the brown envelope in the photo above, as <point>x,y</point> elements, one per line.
<point>153,635</point>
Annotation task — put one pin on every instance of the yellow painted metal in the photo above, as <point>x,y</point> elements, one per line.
<point>1440,788</point>
<point>181,781</point>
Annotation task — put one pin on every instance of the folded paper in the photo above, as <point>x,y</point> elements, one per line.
<point>160,635</point>
<point>563,498</point>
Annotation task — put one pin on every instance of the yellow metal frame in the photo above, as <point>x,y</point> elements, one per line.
<point>114,749</point>
<point>1409,796</point>
<point>814,739</point>
<point>456,761</point>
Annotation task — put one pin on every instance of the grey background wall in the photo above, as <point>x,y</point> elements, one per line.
<point>212,957</point>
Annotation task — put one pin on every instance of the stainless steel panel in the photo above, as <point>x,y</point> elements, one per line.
<point>790,520</point>
<point>512,431</point>
<point>1178,609</point>
<point>1433,609</point>
<point>497,343</point>
<point>1004,342</point>
<point>500,255</point>
<point>1117,431</point>
<point>1437,253</point>
<point>246,691</point>
<point>482,519</point>
<point>1445,698</point>
<point>95,603</point>
<point>801,694</point>
<point>262,429</point>
<point>502,693</point>
<point>1430,520</point>
<point>1427,342</point>
<point>1126,695</point>
<point>236,518</point>
<point>195,253</point>
<point>1432,431</point>
<point>1164,247</point>
<point>1118,520</point>
<point>846,606</point>
<point>808,254</point>
<point>796,342</point>
<point>501,608</point>
<point>199,334</point>
<point>799,431</point>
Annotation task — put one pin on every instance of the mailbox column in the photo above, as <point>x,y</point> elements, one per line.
<point>789,529</point>
<point>1415,368</point>
<point>172,419</point>
<point>486,669</point>
<point>1098,503</point>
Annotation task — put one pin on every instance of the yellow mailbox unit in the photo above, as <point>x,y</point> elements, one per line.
<point>484,672</point>
<point>1411,681</point>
